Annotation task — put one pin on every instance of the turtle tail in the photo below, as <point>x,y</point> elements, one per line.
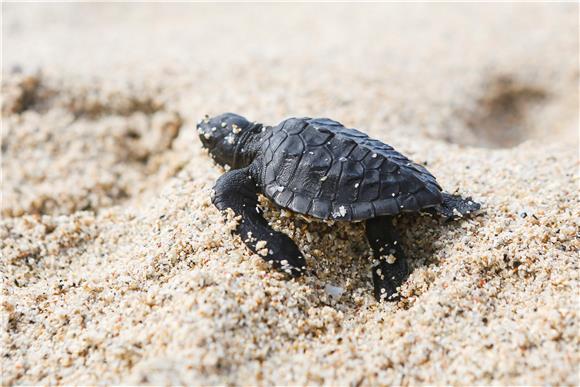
<point>454,206</point>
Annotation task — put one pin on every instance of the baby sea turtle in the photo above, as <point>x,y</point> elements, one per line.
<point>319,168</point>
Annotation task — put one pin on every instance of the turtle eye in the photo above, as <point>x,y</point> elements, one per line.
<point>206,135</point>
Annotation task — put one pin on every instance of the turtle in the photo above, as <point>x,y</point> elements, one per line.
<point>316,167</point>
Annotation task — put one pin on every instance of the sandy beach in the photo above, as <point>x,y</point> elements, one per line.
<point>117,269</point>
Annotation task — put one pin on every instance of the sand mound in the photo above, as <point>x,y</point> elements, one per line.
<point>117,269</point>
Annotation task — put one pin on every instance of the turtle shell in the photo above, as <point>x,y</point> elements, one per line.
<point>317,167</point>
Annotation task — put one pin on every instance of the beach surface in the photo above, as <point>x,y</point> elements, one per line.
<point>117,269</point>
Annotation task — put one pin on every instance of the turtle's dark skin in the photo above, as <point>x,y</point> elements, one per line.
<point>319,168</point>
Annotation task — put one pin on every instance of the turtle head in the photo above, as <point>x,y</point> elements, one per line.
<point>221,136</point>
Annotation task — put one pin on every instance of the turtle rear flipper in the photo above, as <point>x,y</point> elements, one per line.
<point>237,190</point>
<point>454,207</point>
<point>391,268</point>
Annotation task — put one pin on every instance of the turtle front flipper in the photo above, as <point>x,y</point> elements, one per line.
<point>237,190</point>
<point>391,268</point>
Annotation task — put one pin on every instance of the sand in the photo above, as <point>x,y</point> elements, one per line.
<point>116,267</point>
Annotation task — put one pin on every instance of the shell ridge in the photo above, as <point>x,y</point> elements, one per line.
<point>296,163</point>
